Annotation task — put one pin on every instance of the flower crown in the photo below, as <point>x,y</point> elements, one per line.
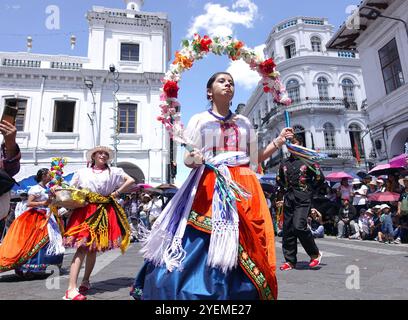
<point>198,48</point>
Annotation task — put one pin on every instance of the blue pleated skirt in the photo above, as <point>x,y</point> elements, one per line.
<point>196,281</point>
<point>40,262</point>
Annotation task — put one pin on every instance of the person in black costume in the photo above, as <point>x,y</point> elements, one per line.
<point>299,182</point>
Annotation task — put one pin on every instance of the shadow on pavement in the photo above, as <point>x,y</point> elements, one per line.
<point>304,265</point>
<point>110,285</point>
<point>17,278</point>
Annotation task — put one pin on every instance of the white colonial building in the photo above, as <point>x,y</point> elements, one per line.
<point>379,32</point>
<point>67,104</point>
<point>327,90</point>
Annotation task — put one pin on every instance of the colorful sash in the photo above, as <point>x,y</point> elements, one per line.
<point>164,243</point>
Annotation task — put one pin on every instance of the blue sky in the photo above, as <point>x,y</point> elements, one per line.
<point>248,20</point>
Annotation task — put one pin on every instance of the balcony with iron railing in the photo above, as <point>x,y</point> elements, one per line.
<point>346,54</point>
<point>66,65</point>
<point>41,61</point>
<point>342,153</point>
<point>6,62</point>
<point>311,104</point>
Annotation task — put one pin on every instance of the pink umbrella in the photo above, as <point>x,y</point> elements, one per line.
<point>136,187</point>
<point>384,196</point>
<point>385,169</point>
<point>337,176</point>
<point>143,186</point>
<point>399,161</point>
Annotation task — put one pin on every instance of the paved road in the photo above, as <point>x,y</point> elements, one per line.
<point>351,269</point>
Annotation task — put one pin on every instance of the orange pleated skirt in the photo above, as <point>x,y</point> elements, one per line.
<point>26,236</point>
<point>256,234</point>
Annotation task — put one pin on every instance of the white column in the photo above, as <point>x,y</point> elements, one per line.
<point>96,47</point>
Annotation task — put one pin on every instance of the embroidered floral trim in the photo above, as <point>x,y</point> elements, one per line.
<point>28,256</point>
<point>257,277</point>
<point>200,221</point>
<point>136,293</point>
<point>35,266</point>
<point>75,242</point>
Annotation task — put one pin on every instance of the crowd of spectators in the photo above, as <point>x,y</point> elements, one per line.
<point>360,217</point>
<point>346,209</point>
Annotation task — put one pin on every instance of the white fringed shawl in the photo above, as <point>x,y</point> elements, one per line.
<point>164,243</point>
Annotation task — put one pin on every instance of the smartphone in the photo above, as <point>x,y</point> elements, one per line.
<point>9,114</point>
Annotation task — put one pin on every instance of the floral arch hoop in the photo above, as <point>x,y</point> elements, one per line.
<point>197,49</point>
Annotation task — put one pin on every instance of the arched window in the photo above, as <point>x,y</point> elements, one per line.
<point>355,140</point>
<point>293,90</point>
<point>316,44</point>
<point>290,48</point>
<point>348,94</point>
<point>329,135</point>
<point>323,88</point>
<point>300,134</point>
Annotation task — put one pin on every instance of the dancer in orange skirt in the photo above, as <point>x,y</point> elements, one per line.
<point>100,225</point>
<point>215,238</point>
<point>34,239</point>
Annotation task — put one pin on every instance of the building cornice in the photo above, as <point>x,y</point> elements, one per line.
<point>295,22</point>
<point>125,20</point>
<point>31,77</point>
<point>318,60</point>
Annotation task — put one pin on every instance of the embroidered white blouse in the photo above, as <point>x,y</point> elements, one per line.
<point>39,194</point>
<point>211,136</point>
<point>104,182</point>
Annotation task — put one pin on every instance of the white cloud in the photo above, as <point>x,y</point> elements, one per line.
<point>13,7</point>
<point>220,21</point>
<point>242,73</point>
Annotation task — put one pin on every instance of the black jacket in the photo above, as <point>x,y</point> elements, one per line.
<point>295,175</point>
<point>352,214</point>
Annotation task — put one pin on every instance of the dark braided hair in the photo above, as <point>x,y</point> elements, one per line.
<point>40,174</point>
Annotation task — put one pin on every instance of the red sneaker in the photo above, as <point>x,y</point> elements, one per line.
<point>286,266</point>
<point>315,262</point>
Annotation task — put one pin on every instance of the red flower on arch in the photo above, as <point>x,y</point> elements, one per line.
<point>171,89</point>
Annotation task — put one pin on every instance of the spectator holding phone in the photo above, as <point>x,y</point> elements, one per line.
<point>10,152</point>
<point>315,223</point>
<point>9,161</point>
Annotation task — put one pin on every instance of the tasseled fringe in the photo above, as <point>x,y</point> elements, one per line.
<point>155,246</point>
<point>174,255</point>
<point>224,244</point>
<point>103,238</point>
<point>124,245</point>
<point>55,246</point>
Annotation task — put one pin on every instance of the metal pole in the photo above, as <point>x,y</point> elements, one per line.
<point>397,19</point>
<point>379,14</point>
<point>116,140</point>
